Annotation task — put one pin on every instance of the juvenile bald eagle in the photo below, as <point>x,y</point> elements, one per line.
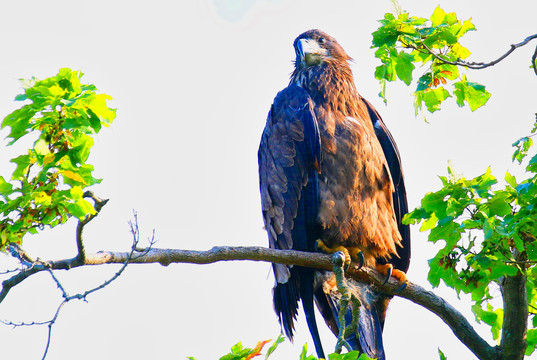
<point>330,171</point>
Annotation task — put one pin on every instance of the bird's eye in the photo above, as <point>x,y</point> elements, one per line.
<point>321,41</point>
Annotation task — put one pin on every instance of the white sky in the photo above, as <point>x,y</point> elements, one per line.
<point>193,82</point>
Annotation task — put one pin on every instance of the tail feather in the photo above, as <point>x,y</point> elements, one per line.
<point>306,293</point>
<point>285,298</point>
<point>370,332</point>
<point>299,286</point>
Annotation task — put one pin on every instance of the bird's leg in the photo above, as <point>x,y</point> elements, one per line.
<point>350,253</point>
<point>389,271</point>
<point>338,266</point>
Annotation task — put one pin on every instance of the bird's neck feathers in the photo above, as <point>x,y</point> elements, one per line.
<point>330,85</point>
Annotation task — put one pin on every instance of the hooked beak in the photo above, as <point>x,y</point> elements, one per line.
<point>309,52</point>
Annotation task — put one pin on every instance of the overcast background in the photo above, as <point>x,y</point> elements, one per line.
<point>193,82</point>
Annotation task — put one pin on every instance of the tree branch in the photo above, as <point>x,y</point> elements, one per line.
<point>453,318</point>
<point>483,65</point>
<point>98,205</point>
<point>515,313</point>
<point>38,266</point>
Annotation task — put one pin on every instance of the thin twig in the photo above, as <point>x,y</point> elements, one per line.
<point>22,323</point>
<point>483,65</point>
<point>58,284</point>
<point>5,272</point>
<point>50,324</point>
<point>82,296</point>
<point>534,61</point>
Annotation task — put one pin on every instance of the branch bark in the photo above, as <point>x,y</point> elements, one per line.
<point>515,313</point>
<point>415,293</point>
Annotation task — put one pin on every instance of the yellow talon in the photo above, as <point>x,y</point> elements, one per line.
<point>389,271</point>
<point>351,253</point>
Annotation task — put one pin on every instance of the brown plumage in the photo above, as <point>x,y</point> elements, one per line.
<point>330,171</point>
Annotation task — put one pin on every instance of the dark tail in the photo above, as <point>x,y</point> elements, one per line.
<point>312,230</point>
<point>300,284</point>
<point>306,293</point>
<point>286,297</point>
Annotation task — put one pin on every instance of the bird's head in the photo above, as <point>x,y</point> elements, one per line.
<point>315,47</point>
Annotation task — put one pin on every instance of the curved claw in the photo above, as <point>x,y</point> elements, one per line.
<point>388,274</point>
<point>360,258</point>
<point>403,286</point>
<point>319,245</point>
<point>389,271</point>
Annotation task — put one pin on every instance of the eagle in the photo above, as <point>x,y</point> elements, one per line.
<point>331,178</point>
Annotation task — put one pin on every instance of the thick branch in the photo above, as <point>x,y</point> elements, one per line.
<point>454,319</point>
<point>515,314</point>
<point>99,203</point>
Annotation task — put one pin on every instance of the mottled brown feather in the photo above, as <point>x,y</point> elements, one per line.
<point>355,184</point>
<point>324,176</point>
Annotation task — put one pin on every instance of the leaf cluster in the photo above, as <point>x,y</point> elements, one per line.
<point>239,352</point>
<point>47,186</point>
<point>488,232</point>
<point>402,42</point>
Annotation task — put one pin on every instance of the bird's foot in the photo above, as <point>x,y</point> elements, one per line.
<point>350,253</point>
<point>389,271</point>
<point>348,299</point>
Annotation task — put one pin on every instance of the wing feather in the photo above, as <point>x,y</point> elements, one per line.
<point>289,157</point>
<point>290,149</point>
<point>400,203</point>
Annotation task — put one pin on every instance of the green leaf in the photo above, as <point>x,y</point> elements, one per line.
<point>304,356</point>
<point>21,97</point>
<point>23,162</point>
<point>382,92</point>
<point>273,347</point>
<point>441,354</point>
<point>5,187</point>
<point>76,193</point>
<point>438,16</point>
<point>531,338</point>
<point>94,120</point>
<point>353,355</point>
<point>19,122</point>
<point>430,223</point>
<point>466,26</point>
<point>522,146</point>
<point>434,202</point>
<point>42,198</point>
<point>404,67</point>
<point>474,94</point>
<point>101,110</point>
<point>424,81</point>
<point>460,51</point>
<point>41,147</point>
<point>435,272</point>
<point>80,209</point>
<point>433,98</point>
<point>511,180</point>
<point>386,71</point>
<point>499,270</point>
<point>499,206</point>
